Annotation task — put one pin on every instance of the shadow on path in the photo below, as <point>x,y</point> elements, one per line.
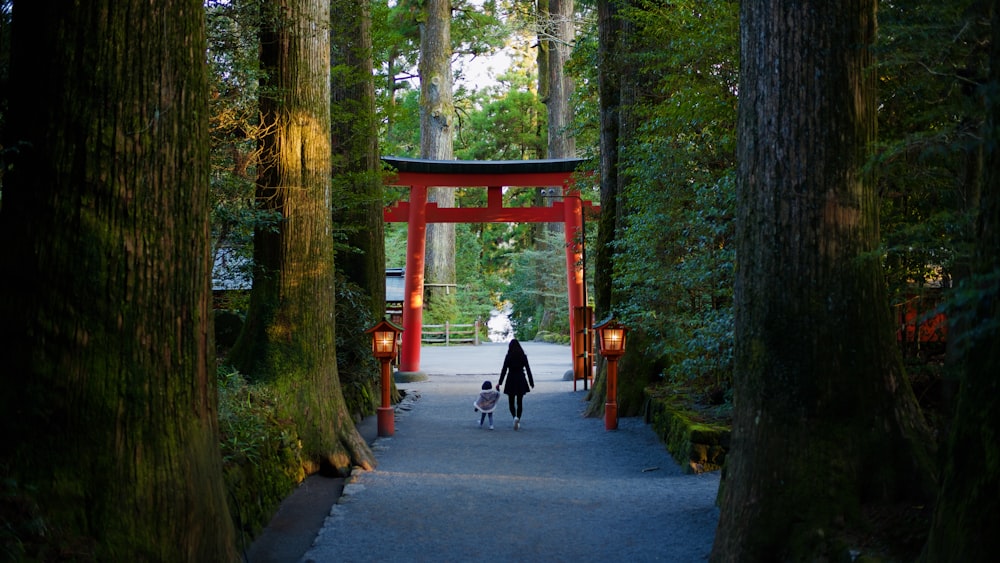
<point>559,489</point>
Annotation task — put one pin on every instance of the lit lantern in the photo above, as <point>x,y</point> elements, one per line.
<point>612,338</point>
<point>385,344</point>
<point>611,335</point>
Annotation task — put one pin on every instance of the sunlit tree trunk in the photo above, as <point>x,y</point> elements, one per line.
<point>288,339</point>
<point>437,114</point>
<point>109,406</point>
<point>824,420</point>
<point>967,515</point>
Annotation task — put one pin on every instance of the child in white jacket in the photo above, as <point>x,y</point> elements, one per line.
<point>486,402</point>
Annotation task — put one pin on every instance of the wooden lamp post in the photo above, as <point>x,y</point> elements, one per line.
<point>385,345</point>
<point>611,335</point>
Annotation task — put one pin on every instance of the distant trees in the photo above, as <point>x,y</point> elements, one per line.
<point>109,405</point>
<point>824,420</point>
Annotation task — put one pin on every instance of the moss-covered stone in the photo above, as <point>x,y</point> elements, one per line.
<point>697,443</point>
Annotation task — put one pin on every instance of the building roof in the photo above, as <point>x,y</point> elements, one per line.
<point>395,283</point>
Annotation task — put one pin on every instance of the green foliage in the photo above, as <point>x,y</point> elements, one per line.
<point>478,284</point>
<point>477,291</point>
<point>476,30</point>
<point>932,57</point>
<point>25,534</point>
<point>400,131</point>
<point>508,127</point>
<point>675,268</point>
<point>585,121</point>
<point>359,372</point>
<point>534,275</point>
<point>261,451</point>
<point>348,197</point>
<point>234,126</point>
<point>970,307</point>
<point>504,121</point>
<point>395,245</point>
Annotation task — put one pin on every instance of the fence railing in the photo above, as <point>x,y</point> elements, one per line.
<point>448,334</point>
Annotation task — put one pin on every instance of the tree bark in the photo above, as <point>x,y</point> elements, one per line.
<point>437,113</point>
<point>615,92</point>
<point>560,86</point>
<point>542,57</point>
<point>609,83</point>
<point>356,166</point>
<point>967,514</point>
<point>358,193</point>
<point>109,408</point>
<point>288,340</point>
<point>555,44</point>
<point>824,419</point>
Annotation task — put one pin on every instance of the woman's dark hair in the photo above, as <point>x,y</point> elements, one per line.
<point>515,347</point>
<point>487,385</point>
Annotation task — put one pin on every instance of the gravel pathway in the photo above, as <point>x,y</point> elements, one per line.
<point>561,488</point>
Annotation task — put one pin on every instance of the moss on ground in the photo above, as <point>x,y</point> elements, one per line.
<point>696,435</point>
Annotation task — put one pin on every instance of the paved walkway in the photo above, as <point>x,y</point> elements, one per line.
<point>561,488</point>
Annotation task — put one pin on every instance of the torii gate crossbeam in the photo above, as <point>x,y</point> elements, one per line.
<point>419,175</point>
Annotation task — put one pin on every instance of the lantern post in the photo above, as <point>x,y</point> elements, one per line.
<point>611,335</point>
<point>385,345</point>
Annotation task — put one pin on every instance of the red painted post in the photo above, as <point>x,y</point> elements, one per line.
<point>385,416</point>
<point>413,297</point>
<point>611,406</point>
<point>573,228</point>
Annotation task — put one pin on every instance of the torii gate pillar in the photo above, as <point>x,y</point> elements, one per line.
<point>413,289</point>
<point>494,175</point>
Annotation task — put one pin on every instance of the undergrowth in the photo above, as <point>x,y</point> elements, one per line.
<point>261,454</point>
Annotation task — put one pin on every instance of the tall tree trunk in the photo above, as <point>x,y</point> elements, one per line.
<point>357,186</point>
<point>542,10</point>
<point>288,339</point>
<point>609,81</point>
<point>967,515</point>
<point>437,112</point>
<point>560,86</point>
<point>109,408</point>
<point>824,419</point>
<point>613,82</point>
<point>356,167</point>
<point>555,44</point>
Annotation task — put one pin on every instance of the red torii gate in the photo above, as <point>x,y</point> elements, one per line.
<point>494,175</point>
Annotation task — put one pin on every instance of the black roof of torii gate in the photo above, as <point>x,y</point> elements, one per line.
<point>494,175</point>
<point>470,173</point>
<point>483,166</point>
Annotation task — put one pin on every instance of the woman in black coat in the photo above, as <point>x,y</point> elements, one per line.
<point>515,366</point>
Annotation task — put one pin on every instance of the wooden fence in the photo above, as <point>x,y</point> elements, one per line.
<point>448,334</point>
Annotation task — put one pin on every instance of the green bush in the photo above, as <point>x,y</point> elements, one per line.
<point>261,454</point>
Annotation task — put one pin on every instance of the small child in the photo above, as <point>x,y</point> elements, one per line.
<point>486,402</point>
